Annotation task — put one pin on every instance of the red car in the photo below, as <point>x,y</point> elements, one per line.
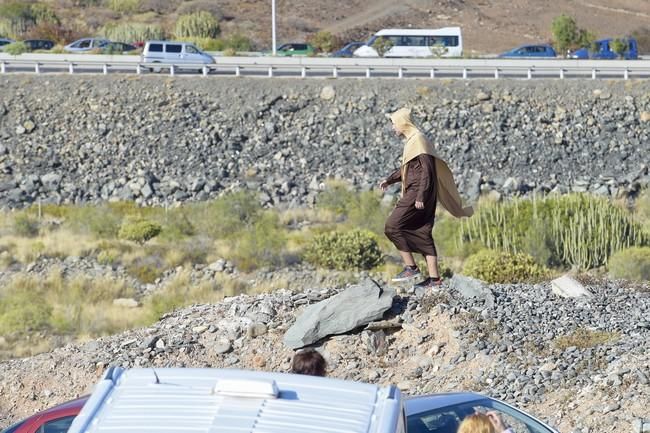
<point>56,419</point>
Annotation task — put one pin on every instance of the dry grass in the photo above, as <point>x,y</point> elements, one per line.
<point>583,338</point>
<point>60,243</point>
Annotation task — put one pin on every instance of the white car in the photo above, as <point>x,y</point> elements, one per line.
<point>185,400</point>
<point>86,44</point>
<point>443,413</point>
<point>175,53</point>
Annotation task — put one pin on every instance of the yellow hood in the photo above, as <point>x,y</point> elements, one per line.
<point>417,144</point>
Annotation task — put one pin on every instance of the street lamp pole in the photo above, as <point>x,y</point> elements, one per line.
<point>273,24</point>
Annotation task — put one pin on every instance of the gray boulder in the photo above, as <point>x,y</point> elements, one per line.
<point>472,288</point>
<point>354,307</point>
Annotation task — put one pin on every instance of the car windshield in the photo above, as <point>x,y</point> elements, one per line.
<point>447,419</point>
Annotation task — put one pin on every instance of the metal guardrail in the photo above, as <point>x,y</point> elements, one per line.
<point>336,67</point>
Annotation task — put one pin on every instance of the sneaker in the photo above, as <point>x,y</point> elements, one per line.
<point>428,283</point>
<point>407,274</point>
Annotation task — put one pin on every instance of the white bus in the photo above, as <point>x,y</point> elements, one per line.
<point>446,42</point>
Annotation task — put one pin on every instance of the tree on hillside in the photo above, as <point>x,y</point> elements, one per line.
<point>565,32</point>
<point>567,35</point>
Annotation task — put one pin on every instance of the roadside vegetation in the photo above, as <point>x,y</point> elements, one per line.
<point>126,21</point>
<point>521,240</point>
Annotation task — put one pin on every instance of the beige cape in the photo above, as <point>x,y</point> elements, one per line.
<point>417,144</point>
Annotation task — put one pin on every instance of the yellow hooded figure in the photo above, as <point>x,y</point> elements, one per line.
<point>426,179</point>
<point>417,144</point>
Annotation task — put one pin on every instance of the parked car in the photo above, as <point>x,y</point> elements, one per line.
<point>176,53</point>
<point>117,48</point>
<point>540,50</point>
<point>603,50</point>
<point>39,44</point>
<point>295,49</point>
<point>443,413</point>
<point>348,49</point>
<point>86,44</point>
<point>5,41</point>
<point>56,419</point>
<point>180,400</point>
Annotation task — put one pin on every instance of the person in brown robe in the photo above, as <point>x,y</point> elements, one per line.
<point>426,179</point>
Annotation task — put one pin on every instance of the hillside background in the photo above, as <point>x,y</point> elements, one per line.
<point>489,26</point>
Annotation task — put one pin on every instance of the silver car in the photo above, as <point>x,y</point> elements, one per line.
<point>86,44</point>
<point>442,413</point>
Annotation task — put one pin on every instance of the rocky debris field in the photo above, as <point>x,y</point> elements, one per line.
<point>161,140</point>
<point>580,364</point>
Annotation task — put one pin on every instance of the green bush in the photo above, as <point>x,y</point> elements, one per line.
<point>139,231</point>
<point>500,267</point>
<point>324,41</point>
<point>355,249</point>
<point>572,230</point>
<point>102,222</point>
<point>567,34</point>
<point>126,7</point>
<point>226,215</point>
<point>338,198</point>
<point>146,271</point>
<point>206,44</point>
<point>132,32</point>
<point>631,264</point>
<point>565,31</point>
<point>26,226</point>
<point>16,48</point>
<point>200,24</point>
<point>238,42</point>
<point>260,245</point>
<point>22,308</point>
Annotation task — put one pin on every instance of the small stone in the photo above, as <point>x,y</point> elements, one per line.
<point>645,116</point>
<point>199,329</point>
<point>327,93</point>
<point>256,330</point>
<point>126,303</point>
<point>259,361</point>
<point>483,96</point>
<point>221,346</point>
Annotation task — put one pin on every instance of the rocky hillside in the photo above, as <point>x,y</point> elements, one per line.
<point>162,140</point>
<point>581,364</point>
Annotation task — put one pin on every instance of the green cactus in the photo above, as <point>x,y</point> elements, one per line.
<point>200,24</point>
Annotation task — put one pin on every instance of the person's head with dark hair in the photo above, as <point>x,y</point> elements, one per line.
<point>310,362</point>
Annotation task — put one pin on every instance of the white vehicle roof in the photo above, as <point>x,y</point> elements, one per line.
<point>185,400</point>
<point>445,31</point>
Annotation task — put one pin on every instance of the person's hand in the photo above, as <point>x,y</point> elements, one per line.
<point>497,421</point>
<point>383,185</point>
<point>419,204</point>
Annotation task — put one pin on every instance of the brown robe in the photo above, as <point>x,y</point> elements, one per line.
<point>407,227</point>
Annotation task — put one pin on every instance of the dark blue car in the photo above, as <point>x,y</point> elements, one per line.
<point>603,50</point>
<point>539,50</point>
<point>348,50</point>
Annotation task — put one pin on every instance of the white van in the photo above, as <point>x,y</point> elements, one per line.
<point>182,400</point>
<point>416,43</point>
<point>176,53</point>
